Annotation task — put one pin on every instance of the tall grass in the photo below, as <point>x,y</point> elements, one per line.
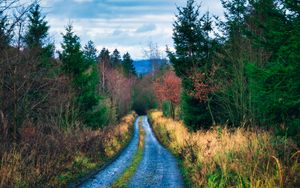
<point>48,156</point>
<point>223,157</point>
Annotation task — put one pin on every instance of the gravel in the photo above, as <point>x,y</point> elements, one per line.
<point>158,167</point>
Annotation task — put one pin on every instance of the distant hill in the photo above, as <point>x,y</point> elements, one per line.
<point>144,66</point>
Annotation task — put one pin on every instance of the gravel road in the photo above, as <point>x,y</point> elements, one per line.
<point>158,167</point>
<point>110,173</point>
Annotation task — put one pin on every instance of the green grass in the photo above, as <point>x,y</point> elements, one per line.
<point>122,182</point>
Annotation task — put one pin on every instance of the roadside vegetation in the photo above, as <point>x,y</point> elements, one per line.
<point>47,156</point>
<point>225,157</point>
<point>129,172</point>
<point>61,113</point>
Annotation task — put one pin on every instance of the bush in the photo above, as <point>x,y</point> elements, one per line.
<point>48,156</point>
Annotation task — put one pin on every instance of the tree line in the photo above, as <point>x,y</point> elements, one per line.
<point>242,70</point>
<point>80,86</point>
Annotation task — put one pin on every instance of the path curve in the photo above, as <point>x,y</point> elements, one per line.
<point>109,174</point>
<point>158,167</point>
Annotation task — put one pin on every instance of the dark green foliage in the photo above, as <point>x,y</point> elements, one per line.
<point>128,66</point>
<point>90,52</point>
<point>37,30</point>
<point>195,114</point>
<point>104,56</point>
<point>82,69</point>
<point>166,108</point>
<point>254,64</point>
<point>193,51</point>
<point>5,37</point>
<point>115,58</point>
<point>277,85</point>
<point>72,56</point>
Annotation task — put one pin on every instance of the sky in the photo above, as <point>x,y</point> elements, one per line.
<point>128,25</point>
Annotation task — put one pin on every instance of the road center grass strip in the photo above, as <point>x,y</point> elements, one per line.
<point>124,179</point>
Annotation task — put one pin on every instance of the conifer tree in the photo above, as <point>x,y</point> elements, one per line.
<point>81,68</point>
<point>4,35</point>
<point>90,52</point>
<point>192,52</point>
<point>128,66</point>
<point>115,58</point>
<point>37,33</point>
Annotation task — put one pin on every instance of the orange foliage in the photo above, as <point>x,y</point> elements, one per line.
<point>167,88</point>
<point>201,89</point>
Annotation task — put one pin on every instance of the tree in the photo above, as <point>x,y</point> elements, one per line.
<point>81,68</point>
<point>90,52</point>
<point>37,32</point>
<point>275,86</point>
<point>167,88</point>
<point>119,89</point>
<point>104,64</point>
<point>115,58</point>
<point>193,53</point>
<point>4,35</point>
<point>128,66</point>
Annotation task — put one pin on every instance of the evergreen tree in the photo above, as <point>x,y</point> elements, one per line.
<point>71,56</point>
<point>128,66</point>
<point>82,69</point>
<point>90,52</point>
<point>4,35</point>
<point>193,48</point>
<point>38,28</point>
<point>104,56</point>
<point>276,85</point>
<point>115,58</point>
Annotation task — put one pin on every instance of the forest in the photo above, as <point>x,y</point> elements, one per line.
<point>225,101</point>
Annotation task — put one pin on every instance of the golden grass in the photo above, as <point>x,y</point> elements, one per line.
<point>47,156</point>
<point>223,157</point>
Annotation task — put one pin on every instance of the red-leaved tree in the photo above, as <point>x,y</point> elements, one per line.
<point>201,89</point>
<point>167,88</point>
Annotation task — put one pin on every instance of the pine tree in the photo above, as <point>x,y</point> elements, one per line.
<point>276,85</point>
<point>72,56</point>
<point>128,66</point>
<point>5,37</point>
<point>90,52</point>
<point>115,58</point>
<point>104,56</point>
<point>82,69</point>
<point>104,64</point>
<point>193,48</point>
<point>38,28</point>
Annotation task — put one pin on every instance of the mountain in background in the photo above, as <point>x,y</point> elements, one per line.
<point>143,67</point>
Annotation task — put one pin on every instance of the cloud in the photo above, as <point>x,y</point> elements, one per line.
<point>146,28</point>
<point>128,25</point>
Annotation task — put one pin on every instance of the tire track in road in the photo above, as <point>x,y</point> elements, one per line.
<point>158,167</point>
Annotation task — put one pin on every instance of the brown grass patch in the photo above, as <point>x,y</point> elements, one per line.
<point>223,157</point>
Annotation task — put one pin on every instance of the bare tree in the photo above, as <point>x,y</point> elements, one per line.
<point>155,56</point>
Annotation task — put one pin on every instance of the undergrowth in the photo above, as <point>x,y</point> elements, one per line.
<point>49,156</point>
<point>223,157</point>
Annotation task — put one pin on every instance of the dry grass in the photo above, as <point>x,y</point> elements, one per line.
<point>222,157</point>
<point>47,156</point>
